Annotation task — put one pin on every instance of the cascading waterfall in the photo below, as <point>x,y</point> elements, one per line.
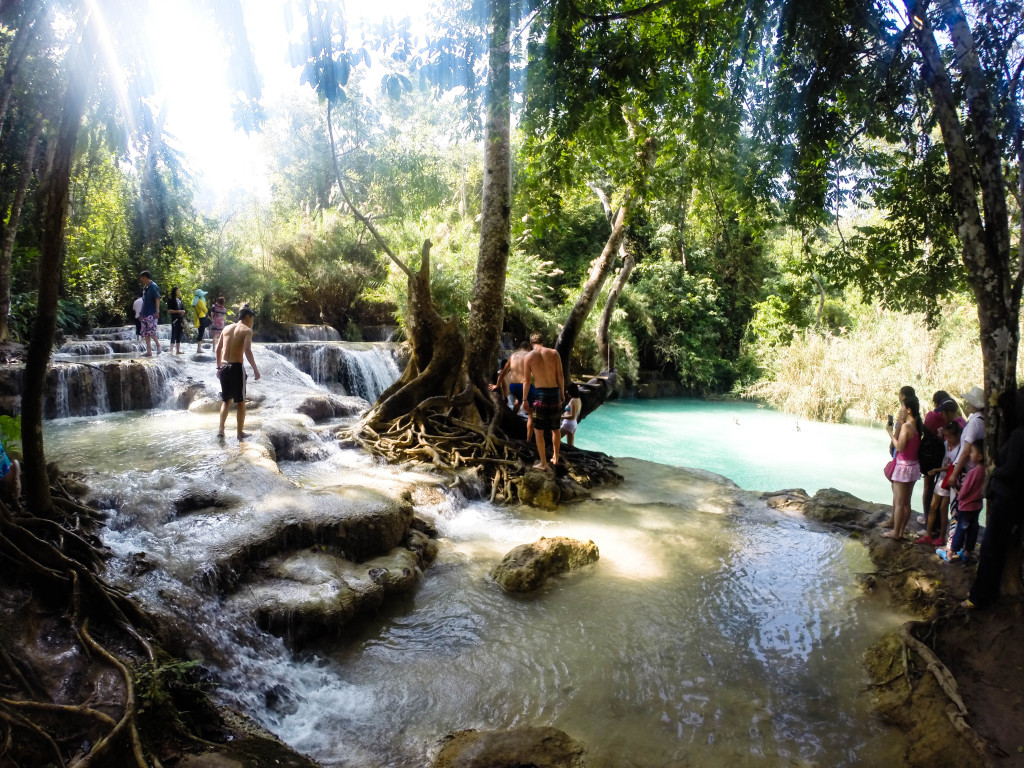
<point>359,369</point>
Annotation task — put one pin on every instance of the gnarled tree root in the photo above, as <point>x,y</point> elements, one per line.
<point>450,444</point>
<point>59,558</point>
<point>957,710</point>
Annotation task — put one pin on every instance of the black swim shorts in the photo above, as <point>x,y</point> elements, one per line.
<point>232,382</point>
<point>547,409</point>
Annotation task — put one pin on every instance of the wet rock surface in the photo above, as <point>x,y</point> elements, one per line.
<point>516,748</point>
<point>546,490</point>
<point>950,680</point>
<point>528,566</point>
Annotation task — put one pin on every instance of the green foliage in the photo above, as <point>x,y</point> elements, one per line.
<point>10,435</point>
<point>826,377</point>
<point>679,318</point>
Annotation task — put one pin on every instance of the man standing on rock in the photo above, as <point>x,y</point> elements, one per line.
<point>544,366</point>
<point>234,343</point>
<point>150,312</point>
<point>513,374</point>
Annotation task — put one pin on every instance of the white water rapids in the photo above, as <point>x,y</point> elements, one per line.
<point>713,631</point>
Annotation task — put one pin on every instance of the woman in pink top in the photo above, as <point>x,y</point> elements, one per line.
<point>906,439</point>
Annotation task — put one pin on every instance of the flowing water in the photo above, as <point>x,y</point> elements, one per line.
<point>713,631</point>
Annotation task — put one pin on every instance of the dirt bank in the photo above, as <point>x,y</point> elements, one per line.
<point>953,679</point>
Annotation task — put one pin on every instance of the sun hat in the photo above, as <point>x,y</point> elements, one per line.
<point>975,397</point>
<point>198,295</point>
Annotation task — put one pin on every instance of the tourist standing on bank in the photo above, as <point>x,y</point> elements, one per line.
<point>137,310</point>
<point>936,525</point>
<point>234,344</point>
<point>974,431</point>
<point>176,309</point>
<point>932,450</point>
<point>905,438</point>
<point>571,414</point>
<point>150,312</point>
<point>1005,511</point>
<point>202,317</point>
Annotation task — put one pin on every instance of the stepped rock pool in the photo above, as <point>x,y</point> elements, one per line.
<point>713,631</point>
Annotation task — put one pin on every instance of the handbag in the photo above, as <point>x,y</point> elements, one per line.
<point>889,469</point>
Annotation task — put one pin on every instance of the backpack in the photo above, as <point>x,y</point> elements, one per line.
<point>931,451</point>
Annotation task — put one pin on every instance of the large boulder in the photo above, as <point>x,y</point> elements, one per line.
<point>515,748</point>
<point>528,566</point>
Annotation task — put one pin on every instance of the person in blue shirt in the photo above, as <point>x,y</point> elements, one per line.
<point>10,475</point>
<point>150,312</point>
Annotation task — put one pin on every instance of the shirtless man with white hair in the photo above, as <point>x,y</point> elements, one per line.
<point>544,366</point>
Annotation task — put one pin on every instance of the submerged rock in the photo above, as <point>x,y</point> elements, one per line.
<point>528,566</point>
<point>828,505</point>
<point>515,748</point>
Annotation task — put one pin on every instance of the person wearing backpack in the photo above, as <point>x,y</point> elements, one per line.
<point>932,450</point>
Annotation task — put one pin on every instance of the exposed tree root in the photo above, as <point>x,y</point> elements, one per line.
<point>957,710</point>
<point>59,558</point>
<point>451,444</point>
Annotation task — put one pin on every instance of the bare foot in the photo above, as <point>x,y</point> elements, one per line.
<point>149,354</point>
<point>220,435</point>
<point>888,523</point>
<point>244,435</point>
<point>543,467</point>
<point>891,535</point>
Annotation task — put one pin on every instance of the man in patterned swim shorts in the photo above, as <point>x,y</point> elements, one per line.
<point>150,312</point>
<point>544,366</point>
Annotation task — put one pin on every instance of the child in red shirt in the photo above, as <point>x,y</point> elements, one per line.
<point>969,500</point>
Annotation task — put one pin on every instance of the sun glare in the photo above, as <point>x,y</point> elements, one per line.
<point>190,69</point>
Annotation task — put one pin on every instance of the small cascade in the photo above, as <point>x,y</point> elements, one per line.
<point>361,370</point>
<point>91,389</point>
<point>94,348</point>
<point>312,333</point>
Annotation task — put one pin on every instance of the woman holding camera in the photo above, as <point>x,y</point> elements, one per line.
<point>905,438</point>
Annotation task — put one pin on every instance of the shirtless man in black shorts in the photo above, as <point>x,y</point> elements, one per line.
<point>234,342</point>
<point>545,367</point>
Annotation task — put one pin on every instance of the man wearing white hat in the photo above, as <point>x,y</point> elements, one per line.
<point>974,404</point>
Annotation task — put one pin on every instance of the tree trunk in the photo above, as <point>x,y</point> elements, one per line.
<point>487,311</point>
<point>35,481</point>
<point>16,57</point>
<point>435,365</point>
<point>602,265</point>
<point>604,343</point>
<point>986,242</point>
<point>11,230</point>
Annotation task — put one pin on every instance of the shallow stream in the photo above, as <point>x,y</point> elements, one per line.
<point>713,630</point>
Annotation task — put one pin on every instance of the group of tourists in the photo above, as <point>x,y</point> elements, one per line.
<point>947,452</point>
<point>147,313</point>
<point>536,370</point>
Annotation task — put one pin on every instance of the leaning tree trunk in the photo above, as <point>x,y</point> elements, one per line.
<point>604,342</point>
<point>987,254</point>
<point>486,313</point>
<point>11,229</point>
<point>35,481</point>
<point>602,265</point>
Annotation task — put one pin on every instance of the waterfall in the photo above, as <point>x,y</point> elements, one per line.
<point>78,389</point>
<point>313,333</point>
<point>362,370</point>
